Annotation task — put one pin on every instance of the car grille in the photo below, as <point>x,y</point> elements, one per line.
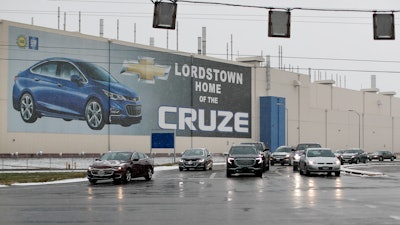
<point>325,163</point>
<point>190,163</point>
<point>101,173</point>
<point>134,110</point>
<point>245,162</point>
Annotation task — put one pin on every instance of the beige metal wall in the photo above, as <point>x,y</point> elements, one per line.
<point>315,113</point>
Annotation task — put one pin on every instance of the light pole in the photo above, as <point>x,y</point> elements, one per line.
<point>359,126</point>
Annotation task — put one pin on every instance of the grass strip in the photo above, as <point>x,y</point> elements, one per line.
<point>33,177</point>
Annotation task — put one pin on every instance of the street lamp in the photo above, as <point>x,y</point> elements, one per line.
<point>359,126</point>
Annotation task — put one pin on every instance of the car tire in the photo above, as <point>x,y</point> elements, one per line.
<point>27,108</point>
<point>149,174</point>
<point>391,158</point>
<point>295,167</point>
<point>180,169</point>
<point>301,172</point>
<point>258,174</point>
<point>228,173</point>
<point>337,173</point>
<point>381,158</point>
<point>272,163</point>
<point>116,181</point>
<point>127,177</point>
<point>307,172</point>
<point>94,115</point>
<point>92,181</point>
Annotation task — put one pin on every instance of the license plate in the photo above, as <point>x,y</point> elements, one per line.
<point>325,168</point>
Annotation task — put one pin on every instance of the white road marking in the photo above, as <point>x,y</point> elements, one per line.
<point>212,175</point>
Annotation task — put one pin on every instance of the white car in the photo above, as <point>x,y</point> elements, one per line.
<point>319,160</point>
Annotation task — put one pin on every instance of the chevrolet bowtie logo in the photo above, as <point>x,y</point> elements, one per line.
<point>146,69</point>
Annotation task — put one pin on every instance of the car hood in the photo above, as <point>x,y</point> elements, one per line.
<point>323,159</point>
<point>280,153</point>
<point>349,154</point>
<point>192,157</point>
<point>244,156</point>
<point>108,163</point>
<point>117,88</point>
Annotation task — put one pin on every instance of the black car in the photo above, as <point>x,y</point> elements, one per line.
<point>196,158</point>
<point>354,155</point>
<point>263,150</point>
<point>381,155</point>
<point>121,166</point>
<point>244,159</point>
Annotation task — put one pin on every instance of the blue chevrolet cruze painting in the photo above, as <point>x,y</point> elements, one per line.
<point>73,89</point>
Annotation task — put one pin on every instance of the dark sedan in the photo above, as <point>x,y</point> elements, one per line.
<point>196,158</point>
<point>73,89</point>
<point>381,155</point>
<point>281,155</point>
<point>121,166</point>
<point>354,155</point>
<point>244,159</point>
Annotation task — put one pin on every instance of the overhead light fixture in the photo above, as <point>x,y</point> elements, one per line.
<point>383,26</point>
<point>164,15</point>
<point>279,24</point>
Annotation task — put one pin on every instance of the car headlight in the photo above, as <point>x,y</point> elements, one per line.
<point>90,168</point>
<point>337,162</point>
<point>259,160</point>
<point>201,160</point>
<point>118,168</point>
<point>287,155</point>
<point>114,96</point>
<point>296,157</point>
<point>311,162</point>
<point>181,160</point>
<point>230,159</point>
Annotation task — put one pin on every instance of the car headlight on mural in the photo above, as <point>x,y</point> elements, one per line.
<point>73,89</point>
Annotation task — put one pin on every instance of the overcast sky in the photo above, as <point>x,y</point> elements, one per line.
<point>335,43</point>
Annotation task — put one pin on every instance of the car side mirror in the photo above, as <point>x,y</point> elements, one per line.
<point>226,154</point>
<point>76,79</point>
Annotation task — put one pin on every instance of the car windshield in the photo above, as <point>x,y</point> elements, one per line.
<point>351,151</point>
<point>123,156</point>
<point>243,150</point>
<point>194,152</point>
<point>283,150</point>
<point>305,146</point>
<point>320,153</point>
<point>257,145</point>
<point>96,72</point>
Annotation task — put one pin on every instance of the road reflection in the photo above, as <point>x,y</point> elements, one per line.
<point>307,190</point>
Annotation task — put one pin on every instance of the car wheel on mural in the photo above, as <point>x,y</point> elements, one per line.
<point>27,108</point>
<point>94,115</point>
<point>73,89</point>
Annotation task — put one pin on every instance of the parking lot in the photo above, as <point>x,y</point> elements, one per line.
<point>281,196</point>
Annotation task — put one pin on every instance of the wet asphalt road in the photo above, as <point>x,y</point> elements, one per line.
<point>208,197</point>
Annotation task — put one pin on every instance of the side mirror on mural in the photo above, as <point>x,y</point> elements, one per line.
<point>76,79</point>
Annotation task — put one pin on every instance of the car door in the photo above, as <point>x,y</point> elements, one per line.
<point>71,96</point>
<point>45,86</point>
<point>136,165</point>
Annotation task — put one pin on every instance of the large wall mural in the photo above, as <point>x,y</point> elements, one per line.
<point>69,84</point>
